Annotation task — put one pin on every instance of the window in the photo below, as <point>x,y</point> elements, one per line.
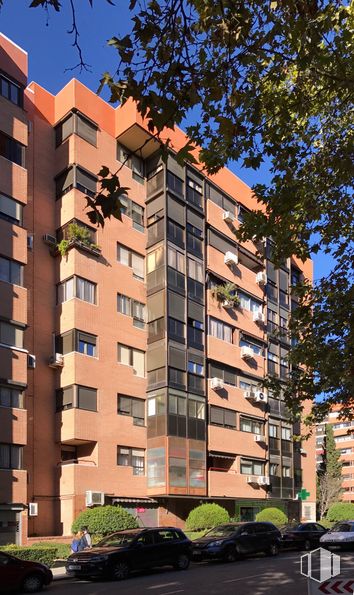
<point>274,469</point>
<point>11,456</point>
<point>195,290</point>
<point>133,308</point>
<point>286,471</point>
<point>177,405</point>
<point>283,299</point>
<point>134,211</point>
<point>272,292</point>
<point>176,378</point>
<point>156,405</point>
<point>176,330</point>
<point>196,407</point>
<point>195,368</point>
<point>11,397</point>
<point>273,362</point>
<point>273,431</point>
<point>285,433</point>
<point>76,287</point>
<point>75,396</point>
<point>251,425</point>
<point>176,260</point>
<point>10,209</point>
<point>11,90</point>
<point>194,193</point>
<point>79,341</point>
<point>10,334</point>
<point>156,469</point>
<point>129,356</point>
<point>195,270</point>
<point>76,123</point>
<point>131,259</point>
<point>194,241</point>
<point>175,233</point>
<point>251,467</point>
<point>249,303</point>
<point>222,417</point>
<point>135,163</point>
<point>76,177</point>
<point>195,333</point>
<point>174,183</point>
<point>227,374</point>
<point>131,457</point>
<point>176,280</point>
<point>155,259</point>
<point>132,407</point>
<point>220,330</point>
<point>11,271</point>
<point>86,344</point>
<point>12,150</point>
<point>257,349</point>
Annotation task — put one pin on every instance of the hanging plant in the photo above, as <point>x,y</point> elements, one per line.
<point>76,233</point>
<point>226,295</point>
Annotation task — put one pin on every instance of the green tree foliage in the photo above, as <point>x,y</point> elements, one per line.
<point>329,476</point>
<point>272,515</point>
<point>104,520</point>
<point>341,511</point>
<point>206,516</point>
<point>271,82</point>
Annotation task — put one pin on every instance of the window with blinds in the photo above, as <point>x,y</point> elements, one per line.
<point>11,271</point>
<point>76,123</point>
<point>11,335</point>
<point>10,209</point>
<point>219,416</point>
<point>76,396</point>
<point>75,177</point>
<point>12,150</point>
<point>11,90</point>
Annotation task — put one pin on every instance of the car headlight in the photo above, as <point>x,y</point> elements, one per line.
<point>216,543</point>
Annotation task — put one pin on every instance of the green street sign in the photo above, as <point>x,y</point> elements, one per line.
<point>303,494</point>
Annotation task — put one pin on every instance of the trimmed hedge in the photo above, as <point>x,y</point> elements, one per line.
<point>45,555</point>
<point>104,520</point>
<point>341,511</point>
<point>272,515</point>
<point>62,549</point>
<point>206,516</point>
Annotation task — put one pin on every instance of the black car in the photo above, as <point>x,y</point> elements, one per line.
<point>134,549</point>
<point>22,575</point>
<point>303,536</point>
<point>227,542</point>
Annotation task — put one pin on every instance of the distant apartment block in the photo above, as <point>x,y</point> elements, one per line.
<point>126,375</point>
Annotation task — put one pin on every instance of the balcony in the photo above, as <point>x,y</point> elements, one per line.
<point>232,484</point>
<point>76,426</point>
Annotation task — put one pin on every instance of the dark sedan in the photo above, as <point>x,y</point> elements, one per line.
<point>227,542</point>
<point>22,575</point>
<point>134,549</point>
<point>303,536</point>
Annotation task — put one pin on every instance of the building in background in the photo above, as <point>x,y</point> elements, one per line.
<point>139,379</point>
<point>343,431</point>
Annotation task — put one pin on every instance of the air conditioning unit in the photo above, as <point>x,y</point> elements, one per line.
<point>228,217</point>
<point>261,278</point>
<point>249,395</point>
<point>217,383</point>
<point>227,304</point>
<point>30,241</point>
<point>56,361</point>
<point>33,509</point>
<point>303,451</point>
<point>260,438</point>
<point>246,352</point>
<point>94,498</point>
<point>263,480</point>
<point>258,316</point>
<point>261,397</point>
<point>31,361</point>
<point>230,258</point>
<point>50,240</point>
<point>252,479</point>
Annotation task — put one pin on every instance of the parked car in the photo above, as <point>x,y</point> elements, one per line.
<point>303,536</point>
<point>227,542</point>
<point>134,549</point>
<point>340,537</point>
<point>22,575</point>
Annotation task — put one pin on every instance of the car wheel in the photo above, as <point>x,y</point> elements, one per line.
<point>273,550</point>
<point>32,583</point>
<point>120,571</point>
<point>307,545</point>
<point>230,554</point>
<point>182,562</point>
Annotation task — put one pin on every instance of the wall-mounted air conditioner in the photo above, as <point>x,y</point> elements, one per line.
<point>230,258</point>
<point>260,396</point>
<point>260,438</point>
<point>94,498</point>
<point>56,361</point>
<point>261,278</point>
<point>258,316</point>
<point>263,480</point>
<point>249,395</point>
<point>246,352</point>
<point>50,240</point>
<point>33,509</point>
<point>31,361</point>
<point>228,217</point>
<point>252,479</point>
<point>217,383</point>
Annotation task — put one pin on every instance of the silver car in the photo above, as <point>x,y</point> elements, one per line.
<point>340,537</point>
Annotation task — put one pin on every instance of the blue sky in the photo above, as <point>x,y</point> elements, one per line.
<point>45,39</point>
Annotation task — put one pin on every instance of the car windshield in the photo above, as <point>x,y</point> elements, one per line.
<point>341,528</point>
<point>118,540</point>
<point>222,531</point>
<point>295,527</point>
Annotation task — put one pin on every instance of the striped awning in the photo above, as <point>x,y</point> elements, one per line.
<point>218,455</point>
<point>134,501</point>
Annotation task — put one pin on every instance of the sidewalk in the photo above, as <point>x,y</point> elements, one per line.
<point>59,573</point>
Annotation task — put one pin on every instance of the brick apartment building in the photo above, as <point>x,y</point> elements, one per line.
<point>123,377</point>
<point>343,430</point>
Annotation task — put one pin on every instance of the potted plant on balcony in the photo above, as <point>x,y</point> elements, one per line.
<point>226,295</point>
<point>77,235</point>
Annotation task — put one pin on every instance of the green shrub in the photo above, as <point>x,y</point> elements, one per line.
<point>272,515</point>
<point>326,523</point>
<point>206,516</point>
<point>45,555</point>
<point>341,511</point>
<point>63,549</point>
<point>104,520</point>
